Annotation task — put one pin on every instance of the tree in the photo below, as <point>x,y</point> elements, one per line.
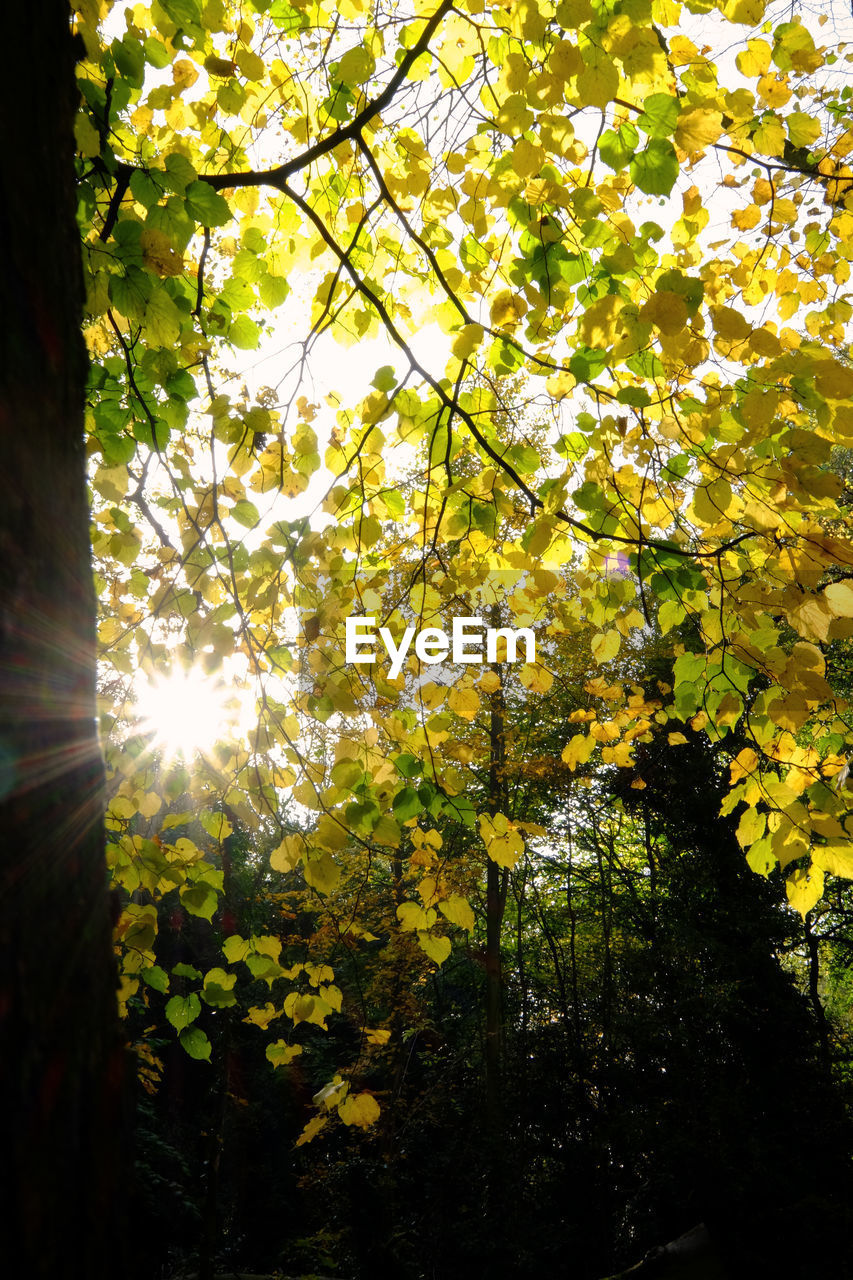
<point>615,384</point>
<point>62,1063</point>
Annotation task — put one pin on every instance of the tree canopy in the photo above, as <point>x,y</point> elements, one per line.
<point>590,260</point>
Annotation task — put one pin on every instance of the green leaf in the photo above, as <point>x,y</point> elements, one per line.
<point>589,496</point>
<point>182,1010</point>
<point>129,58</point>
<point>660,115</point>
<point>245,513</point>
<point>616,148</point>
<point>179,173</point>
<point>156,53</point>
<point>144,189</point>
<point>636,397</point>
<point>655,169</point>
<point>184,13</point>
<point>195,1043</point>
<point>206,205</point>
<point>129,293</point>
<point>244,333</point>
<point>156,978</point>
<point>218,989</point>
<point>385,379</point>
<point>200,900</point>
<point>406,804</point>
<point>284,15</point>
<point>273,290</point>
<point>408,765</point>
<point>235,948</point>
<point>163,321</point>
<point>347,774</point>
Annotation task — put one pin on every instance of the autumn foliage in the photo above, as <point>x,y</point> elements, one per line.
<point>530,311</point>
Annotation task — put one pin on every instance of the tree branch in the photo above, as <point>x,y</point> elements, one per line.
<point>345,133</point>
<point>451,403</point>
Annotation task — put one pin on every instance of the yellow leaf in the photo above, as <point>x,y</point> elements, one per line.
<point>332,996</point>
<point>577,750</point>
<point>149,804</point>
<point>162,320</point>
<point>698,129</point>
<point>438,949</point>
<point>750,828</point>
<point>329,833</point>
<point>712,501</point>
<point>288,854</point>
<point>308,1009</point>
<point>86,135</point>
<point>730,324</point>
<point>527,158</point>
<point>622,754</point>
<point>280,1054</point>
<point>803,129</point>
<point>457,910</point>
<point>219,66</point>
<point>559,387</point>
<point>760,857</point>
<point>331,1094</point>
<point>598,323</point>
<point>836,857</point>
<point>754,60</point>
<point>537,679</point>
<point>184,73</point>
<point>769,137</point>
<point>839,597</point>
<point>788,844</point>
<point>360,1109</point>
<point>747,12</point>
<point>746,219</point>
<point>507,309</point>
<point>467,340</point>
<point>316,973</point>
<point>356,66</point>
<point>262,1016</point>
<point>598,81</point>
<point>605,645</point>
<point>413,916</point>
<point>252,66</point>
<point>804,888</point>
<point>311,1130</point>
<point>564,60</point>
<point>158,254</point>
<point>668,311</point>
<point>323,873</point>
<point>378,1036</point>
<point>464,702</point>
<point>503,843</point>
<point>774,89</point>
<point>835,381</point>
<point>676,739</point>
<point>812,616</point>
<point>743,764</point>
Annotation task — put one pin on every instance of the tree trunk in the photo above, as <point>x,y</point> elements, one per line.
<point>496,891</point>
<point>60,1061</point>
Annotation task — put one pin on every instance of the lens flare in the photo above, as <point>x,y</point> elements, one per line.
<point>186,712</point>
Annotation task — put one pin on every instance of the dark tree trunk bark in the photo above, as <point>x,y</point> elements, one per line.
<point>60,1058</point>
<point>496,891</point>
